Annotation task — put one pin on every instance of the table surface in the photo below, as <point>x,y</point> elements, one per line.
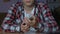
<point>2,32</point>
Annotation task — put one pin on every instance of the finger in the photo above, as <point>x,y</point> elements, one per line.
<point>26,25</point>
<point>27,21</point>
<point>25,28</point>
<point>24,19</point>
<point>22,28</point>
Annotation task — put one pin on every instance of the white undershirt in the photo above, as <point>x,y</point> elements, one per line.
<point>28,15</point>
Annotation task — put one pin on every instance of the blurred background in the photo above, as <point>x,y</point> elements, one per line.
<point>54,6</point>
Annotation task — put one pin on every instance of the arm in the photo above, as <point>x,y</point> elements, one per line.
<point>49,25</point>
<point>9,23</point>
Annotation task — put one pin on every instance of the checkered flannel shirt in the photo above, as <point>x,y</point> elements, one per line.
<point>15,16</point>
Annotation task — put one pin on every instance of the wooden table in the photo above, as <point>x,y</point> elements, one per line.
<point>2,32</point>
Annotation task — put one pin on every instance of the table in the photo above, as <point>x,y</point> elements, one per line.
<point>2,32</point>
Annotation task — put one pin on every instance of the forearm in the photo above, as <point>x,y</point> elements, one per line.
<point>48,27</point>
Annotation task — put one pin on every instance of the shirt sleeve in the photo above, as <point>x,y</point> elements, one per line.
<point>49,24</point>
<point>10,21</point>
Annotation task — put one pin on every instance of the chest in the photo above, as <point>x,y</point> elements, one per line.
<point>21,14</point>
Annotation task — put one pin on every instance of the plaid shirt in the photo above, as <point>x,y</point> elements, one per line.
<point>15,16</point>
